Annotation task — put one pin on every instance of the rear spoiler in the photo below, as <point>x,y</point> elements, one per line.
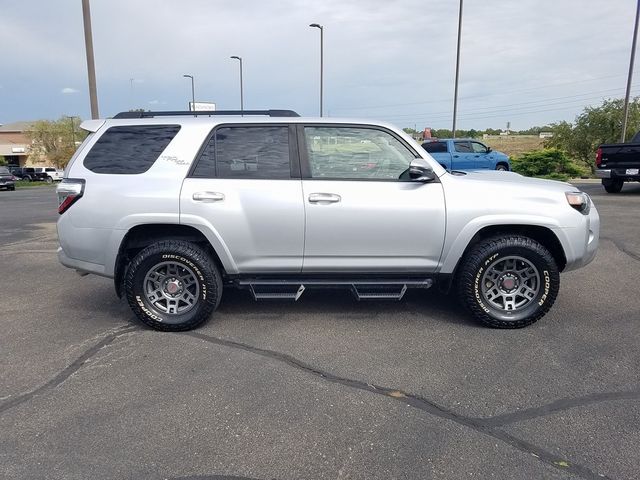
<point>92,125</point>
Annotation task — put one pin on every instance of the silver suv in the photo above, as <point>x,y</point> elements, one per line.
<point>177,206</point>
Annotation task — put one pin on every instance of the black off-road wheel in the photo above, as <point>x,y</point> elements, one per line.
<point>612,186</point>
<point>173,285</point>
<point>508,281</point>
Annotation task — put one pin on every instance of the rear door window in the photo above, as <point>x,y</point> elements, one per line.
<point>129,149</point>
<point>251,152</point>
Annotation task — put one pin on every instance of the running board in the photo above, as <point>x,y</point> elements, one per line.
<point>362,289</point>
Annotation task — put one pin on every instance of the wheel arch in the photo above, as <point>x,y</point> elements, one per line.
<point>141,236</point>
<point>542,234</point>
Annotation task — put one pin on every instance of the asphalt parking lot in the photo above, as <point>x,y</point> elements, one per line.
<point>324,388</point>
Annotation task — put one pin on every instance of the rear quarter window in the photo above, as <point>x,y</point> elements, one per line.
<point>435,147</point>
<point>129,149</point>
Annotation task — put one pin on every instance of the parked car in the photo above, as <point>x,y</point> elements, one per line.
<point>464,154</point>
<point>617,163</point>
<point>7,180</point>
<point>282,204</point>
<point>53,174</point>
<point>29,174</point>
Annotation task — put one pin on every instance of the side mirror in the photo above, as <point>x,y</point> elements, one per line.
<point>488,149</point>
<point>420,171</point>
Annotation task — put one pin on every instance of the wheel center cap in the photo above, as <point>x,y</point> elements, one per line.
<point>508,282</point>
<point>172,286</point>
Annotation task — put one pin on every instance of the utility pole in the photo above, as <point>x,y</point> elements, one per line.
<point>91,68</point>
<point>455,91</point>
<point>626,97</point>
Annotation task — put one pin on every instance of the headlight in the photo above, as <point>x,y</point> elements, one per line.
<point>580,201</point>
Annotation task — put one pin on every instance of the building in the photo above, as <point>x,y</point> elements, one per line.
<point>15,144</point>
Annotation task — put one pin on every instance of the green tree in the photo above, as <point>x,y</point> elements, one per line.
<point>56,140</point>
<point>3,162</point>
<point>593,127</point>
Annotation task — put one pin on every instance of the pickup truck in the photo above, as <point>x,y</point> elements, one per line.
<point>617,163</point>
<point>465,154</point>
<point>30,174</point>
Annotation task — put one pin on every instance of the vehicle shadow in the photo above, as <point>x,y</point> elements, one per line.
<point>425,305</point>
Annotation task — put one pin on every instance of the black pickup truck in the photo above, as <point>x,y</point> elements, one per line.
<point>29,174</point>
<point>617,163</point>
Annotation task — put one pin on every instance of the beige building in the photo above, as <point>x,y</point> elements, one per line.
<point>15,145</point>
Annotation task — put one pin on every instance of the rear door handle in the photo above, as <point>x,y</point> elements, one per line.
<point>324,198</point>
<point>208,197</point>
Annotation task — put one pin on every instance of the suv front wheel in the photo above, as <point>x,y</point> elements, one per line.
<point>173,285</point>
<point>508,281</point>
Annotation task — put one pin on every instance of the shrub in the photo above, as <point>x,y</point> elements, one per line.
<point>548,163</point>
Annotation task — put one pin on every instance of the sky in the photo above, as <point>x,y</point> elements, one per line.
<point>527,62</point>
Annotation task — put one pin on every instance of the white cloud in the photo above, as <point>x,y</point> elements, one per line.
<point>157,102</point>
<point>69,90</point>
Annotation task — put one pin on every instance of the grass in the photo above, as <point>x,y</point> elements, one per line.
<point>25,184</point>
<point>514,145</point>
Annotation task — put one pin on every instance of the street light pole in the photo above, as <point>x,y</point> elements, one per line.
<point>193,92</point>
<point>455,90</point>
<point>91,68</point>
<point>626,98</point>
<point>241,87</point>
<point>317,25</point>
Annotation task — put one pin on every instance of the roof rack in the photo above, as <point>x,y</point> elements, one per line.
<point>207,113</point>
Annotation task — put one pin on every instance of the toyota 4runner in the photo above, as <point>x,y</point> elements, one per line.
<point>177,206</point>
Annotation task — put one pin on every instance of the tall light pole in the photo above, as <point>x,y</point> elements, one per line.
<point>193,92</point>
<point>626,98</point>
<point>235,57</point>
<point>455,90</point>
<point>91,68</point>
<point>317,25</point>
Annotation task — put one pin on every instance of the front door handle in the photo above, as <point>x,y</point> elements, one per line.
<point>208,197</point>
<point>323,198</point>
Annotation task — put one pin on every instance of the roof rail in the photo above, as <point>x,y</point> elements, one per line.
<point>207,113</point>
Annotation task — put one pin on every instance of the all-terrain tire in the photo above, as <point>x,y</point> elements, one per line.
<point>183,263</point>
<point>485,258</point>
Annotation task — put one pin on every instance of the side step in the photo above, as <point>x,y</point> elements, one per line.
<point>362,289</point>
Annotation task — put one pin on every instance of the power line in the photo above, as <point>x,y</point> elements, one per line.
<point>364,107</point>
<point>507,107</point>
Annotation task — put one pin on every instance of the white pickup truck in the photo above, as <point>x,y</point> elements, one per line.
<point>53,174</point>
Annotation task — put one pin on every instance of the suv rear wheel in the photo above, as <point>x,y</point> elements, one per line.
<point>508,282</point>
<point>173,285</point>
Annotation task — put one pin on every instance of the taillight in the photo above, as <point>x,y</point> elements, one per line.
<point>598,157</point>
<point>69,191</point>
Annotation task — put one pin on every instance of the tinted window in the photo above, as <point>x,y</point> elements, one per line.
<point>463,147</point>
<point>246,152</point>
<point>435,147</point>
<point>130,149</point>
<point>356,153</point>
